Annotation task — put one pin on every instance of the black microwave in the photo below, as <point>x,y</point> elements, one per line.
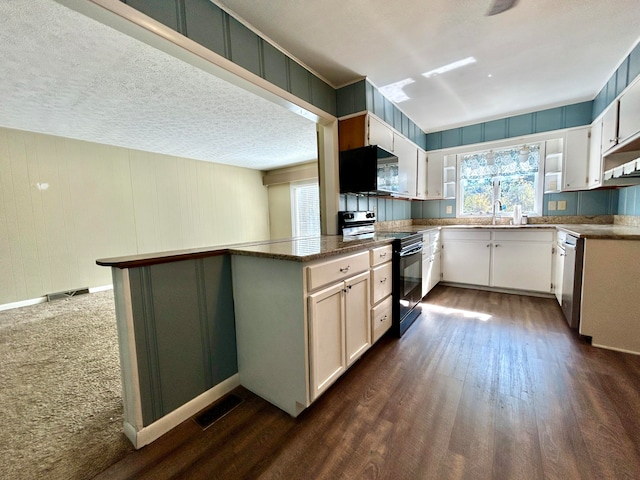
<point>370,170</point>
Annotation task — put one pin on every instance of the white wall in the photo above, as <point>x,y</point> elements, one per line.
<point>105,201</point>
<point>280,211</point>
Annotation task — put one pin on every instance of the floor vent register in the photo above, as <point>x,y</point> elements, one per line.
<point>214,413</point>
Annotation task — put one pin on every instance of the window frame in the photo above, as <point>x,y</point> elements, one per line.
<point>539,187</point>
<point>541,138</point>
<point>295,227</point>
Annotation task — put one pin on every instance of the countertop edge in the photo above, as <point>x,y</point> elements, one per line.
<point>588,231</point>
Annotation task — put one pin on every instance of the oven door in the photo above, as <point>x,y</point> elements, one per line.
<point>410,281</point>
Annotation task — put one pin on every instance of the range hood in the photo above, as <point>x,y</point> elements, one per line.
<point>369,170</point>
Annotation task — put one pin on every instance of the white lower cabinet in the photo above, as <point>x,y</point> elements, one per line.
<point>522,266</point>
<point>339,329</point>
<point>300,325</point>
<point>466,256</point>
<point>430,261</point>
<point>357,319</point>
<point>517,259</point>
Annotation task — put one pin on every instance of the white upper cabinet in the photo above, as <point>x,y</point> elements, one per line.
<point>422,191</point>
<point>595,156</point>
<point>380,134</point>
<point>576,156</point>
<point>629,113</point>
<point>610,127</point>
<point>434,174</point>
<point>407,154</point>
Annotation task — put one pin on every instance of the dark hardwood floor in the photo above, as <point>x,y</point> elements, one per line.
<point>483,385</point>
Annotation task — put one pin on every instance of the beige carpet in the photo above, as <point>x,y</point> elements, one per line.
<point>60,397</point>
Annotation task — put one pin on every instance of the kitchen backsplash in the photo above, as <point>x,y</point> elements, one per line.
<point>629,201</point>
<point>588,206</point>
<point>585,203</point>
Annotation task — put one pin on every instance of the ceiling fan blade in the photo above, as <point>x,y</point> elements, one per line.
<point>500,6</point>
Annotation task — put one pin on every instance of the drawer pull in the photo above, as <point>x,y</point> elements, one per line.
<point>383,280</point>
<point>382,255</point>
<point>345,269</point>
<point>384,318</point>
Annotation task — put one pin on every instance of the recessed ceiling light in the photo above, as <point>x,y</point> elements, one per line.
<point>394,91</point>
<point>448,67</point>
<point>489,75</point>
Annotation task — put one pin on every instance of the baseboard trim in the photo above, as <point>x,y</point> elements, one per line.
<point>23,303</point>
<point>508,291</point>
<point>36,301</point>
<point>615,349</point>
<point>163,425</point>
<point>103,288</point>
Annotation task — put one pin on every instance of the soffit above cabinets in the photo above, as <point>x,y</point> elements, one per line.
<point>540,54</point>
<point>66,74</point>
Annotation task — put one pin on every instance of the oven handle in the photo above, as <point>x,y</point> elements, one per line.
<point>411,251</point>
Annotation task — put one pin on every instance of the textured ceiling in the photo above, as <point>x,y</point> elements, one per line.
<point>65,74</point>
<point>540,54</point>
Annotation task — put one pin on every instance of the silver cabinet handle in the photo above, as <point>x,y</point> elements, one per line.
<point>383,280</point>
<point>497,245</point>
<point>488,245</point>
<point>346,269</point>
<point>382,255</point>
<point>384,318</point>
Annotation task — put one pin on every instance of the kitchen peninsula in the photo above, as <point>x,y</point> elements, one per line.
<point>194,324</point>
<point>189,330</point>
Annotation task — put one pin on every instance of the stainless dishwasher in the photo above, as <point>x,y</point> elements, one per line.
<point>572,279</point>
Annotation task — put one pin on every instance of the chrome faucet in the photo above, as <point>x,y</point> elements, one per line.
<point>493,218</point>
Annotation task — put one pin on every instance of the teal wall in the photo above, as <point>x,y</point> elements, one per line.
<point>628,70</point>
<point>543,121</point>
<point>386,209</point>
<point>362,95</point>
<point>211,27</point>
<point>629,201</point>
<point>590,202</point>
<point>184,325</point>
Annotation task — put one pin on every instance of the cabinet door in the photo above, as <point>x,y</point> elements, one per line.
<point>434,175</point>
<point>629,114</point>
<point>522,266</point>
<point>595,155</point>
<point>466,261</point>
<point>407,154</point>
<point>610,127</point>
<point>426,269</point>
<point>558,273</point>
<point>576,156</point>
<point>326,337</point>
<point>358,316</point>
<point>380,134</point>
<point>423,166</point>
<point>435,270</point>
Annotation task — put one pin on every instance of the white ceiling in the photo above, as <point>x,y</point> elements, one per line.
<point>65,74</point>
<point>540,54</point>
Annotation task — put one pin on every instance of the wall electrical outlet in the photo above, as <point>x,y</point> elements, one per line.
<point>551,205</point>
<point>562,204</point>
<point>448,209</point>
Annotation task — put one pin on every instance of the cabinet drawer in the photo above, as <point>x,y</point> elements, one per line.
<point>381,282</point>
<point>380,255</point>
<point>524,235</point>
<point>465,234</point>
<point>381,318</point>
<point>335,270</point>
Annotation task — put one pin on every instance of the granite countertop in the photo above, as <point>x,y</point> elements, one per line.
<point>602,232</point>
<point>309,248</point>
<point>297,249</point>
<point>324,246</point>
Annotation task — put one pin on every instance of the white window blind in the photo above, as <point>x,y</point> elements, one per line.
<point>305,209</point>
